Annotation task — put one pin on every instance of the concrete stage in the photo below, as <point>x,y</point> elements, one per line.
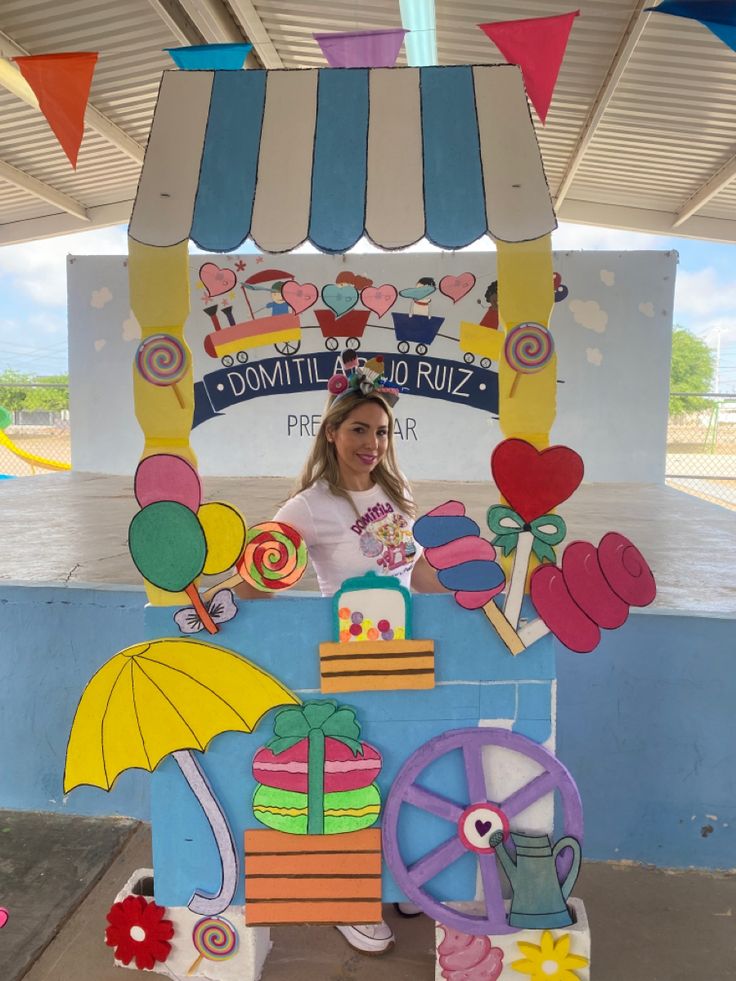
<point>72,528</point>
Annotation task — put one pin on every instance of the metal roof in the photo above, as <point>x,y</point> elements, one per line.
<point>641,133</point>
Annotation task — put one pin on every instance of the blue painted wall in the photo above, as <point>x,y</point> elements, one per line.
<point>476,678</point>
<point>645,724</point>
<point>52,640</point>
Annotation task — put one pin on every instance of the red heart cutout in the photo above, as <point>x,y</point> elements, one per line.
<point>535,481</point>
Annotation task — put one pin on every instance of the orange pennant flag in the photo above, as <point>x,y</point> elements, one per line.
<point>537,45</point>
<point>61,83</point>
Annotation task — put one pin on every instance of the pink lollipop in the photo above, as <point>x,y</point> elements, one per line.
<point>165,477</point>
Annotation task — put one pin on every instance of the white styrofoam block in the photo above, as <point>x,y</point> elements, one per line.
<point>470,958</point>
<point>254,943</point>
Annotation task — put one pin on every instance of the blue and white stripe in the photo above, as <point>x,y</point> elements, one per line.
<point>330,155</point>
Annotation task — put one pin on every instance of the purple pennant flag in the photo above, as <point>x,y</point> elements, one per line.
<point>362,49</point>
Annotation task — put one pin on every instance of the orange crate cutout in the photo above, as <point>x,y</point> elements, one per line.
<point>374,649</point>
<point>312,878</point>
<point>320,860</point>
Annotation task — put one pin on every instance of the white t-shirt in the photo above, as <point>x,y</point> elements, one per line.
<point>342,545</point>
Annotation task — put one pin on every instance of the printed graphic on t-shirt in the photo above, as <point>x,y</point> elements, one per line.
<point>386,537</point>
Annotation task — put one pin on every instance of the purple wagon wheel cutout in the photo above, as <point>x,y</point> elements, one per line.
<point>474,821</point>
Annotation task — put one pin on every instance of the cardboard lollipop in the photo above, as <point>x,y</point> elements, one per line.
<point>165,477</point>
<point>528,348</point>
<point>162,360</point>
<point>274,558</point>
<point>168,545</point>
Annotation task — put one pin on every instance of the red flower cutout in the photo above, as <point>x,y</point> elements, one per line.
<point>138,929</point>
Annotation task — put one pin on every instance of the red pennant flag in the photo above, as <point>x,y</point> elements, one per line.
<point>537,45</point>
<point>61,83</point>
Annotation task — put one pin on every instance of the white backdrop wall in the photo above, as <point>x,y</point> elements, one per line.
<point>612,333</point>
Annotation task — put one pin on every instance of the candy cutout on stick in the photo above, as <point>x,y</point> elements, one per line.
<point>169,549</point>
<point>528,348</point>
<point>224,533</point>
<point>274,558</point>
<point>214,938</point>
<point>593,589</point>
<point>465,564</point>
<point>533,482</point>
<point>161,360</point>
<point>165,477</point>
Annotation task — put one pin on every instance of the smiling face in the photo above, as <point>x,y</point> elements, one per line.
<point>361,442</point>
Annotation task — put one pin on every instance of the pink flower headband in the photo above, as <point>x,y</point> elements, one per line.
<point>367,380</point>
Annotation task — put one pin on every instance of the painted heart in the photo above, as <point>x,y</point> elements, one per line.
<point>379,299</point>
<point>299,296</point>
<point>215,280</point>
<point>4,916</point>
<point>483,827</point>
<point>456,287</point>
<point>535,481</point>
<point>340,299</point>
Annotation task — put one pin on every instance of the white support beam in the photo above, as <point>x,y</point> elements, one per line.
<point>645,221</point>
<point>44,191</point>
<point>13,81</point>
<point>213,20</point>
<point>49,226</point>
<point>722,178</point>
<point>625,50</point>
<point>177,21</point>
<point>247,16</point>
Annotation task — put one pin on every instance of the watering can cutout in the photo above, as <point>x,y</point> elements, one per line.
<point>539,899</point>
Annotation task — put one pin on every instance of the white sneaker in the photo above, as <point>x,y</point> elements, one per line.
<point>368,938</point>
<point>408,910</point>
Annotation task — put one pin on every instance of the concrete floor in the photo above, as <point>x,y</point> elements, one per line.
<point>647,925</point>
<point>78,525</point>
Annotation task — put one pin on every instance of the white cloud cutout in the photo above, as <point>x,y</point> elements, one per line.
<point>100,344</point>
<point>100,298</point>
<point>594,355</point>
<point>647,309</point>
<point>588,314</point>
<point>608,277</point>
<point>38,269</point>
<point>131,328</point>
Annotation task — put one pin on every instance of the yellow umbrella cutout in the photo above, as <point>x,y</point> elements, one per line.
<point>168,697</point>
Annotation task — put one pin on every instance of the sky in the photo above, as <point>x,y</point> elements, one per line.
<point>33,324</point>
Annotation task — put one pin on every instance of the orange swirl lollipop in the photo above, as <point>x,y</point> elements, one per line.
<point>274,558</point>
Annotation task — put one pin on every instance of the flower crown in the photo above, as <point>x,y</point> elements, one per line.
<point>367,379</point>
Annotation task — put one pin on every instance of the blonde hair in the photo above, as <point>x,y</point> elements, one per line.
<point>322,463</point>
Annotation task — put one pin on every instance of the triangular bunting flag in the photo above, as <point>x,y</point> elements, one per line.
<point>719,16</point>
<point>62,83</point>
<point>537,45</point>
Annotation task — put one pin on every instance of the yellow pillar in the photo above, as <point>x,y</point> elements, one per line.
<point>159,297</point>
<point>525,293</point>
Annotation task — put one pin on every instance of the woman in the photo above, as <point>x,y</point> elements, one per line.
<point>354,509</point>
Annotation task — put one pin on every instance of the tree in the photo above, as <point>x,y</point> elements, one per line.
<point>17,392</point>
<point>12,396</point>
<point>693,365</point>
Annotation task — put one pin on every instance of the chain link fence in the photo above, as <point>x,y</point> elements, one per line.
<point>34,429</point>
<point>701,446</point>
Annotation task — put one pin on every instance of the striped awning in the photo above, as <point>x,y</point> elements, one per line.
<point>329,155</point>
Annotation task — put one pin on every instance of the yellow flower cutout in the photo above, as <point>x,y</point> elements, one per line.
<point>549,961</point>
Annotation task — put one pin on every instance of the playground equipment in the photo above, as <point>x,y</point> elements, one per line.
<point>31,459</point>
